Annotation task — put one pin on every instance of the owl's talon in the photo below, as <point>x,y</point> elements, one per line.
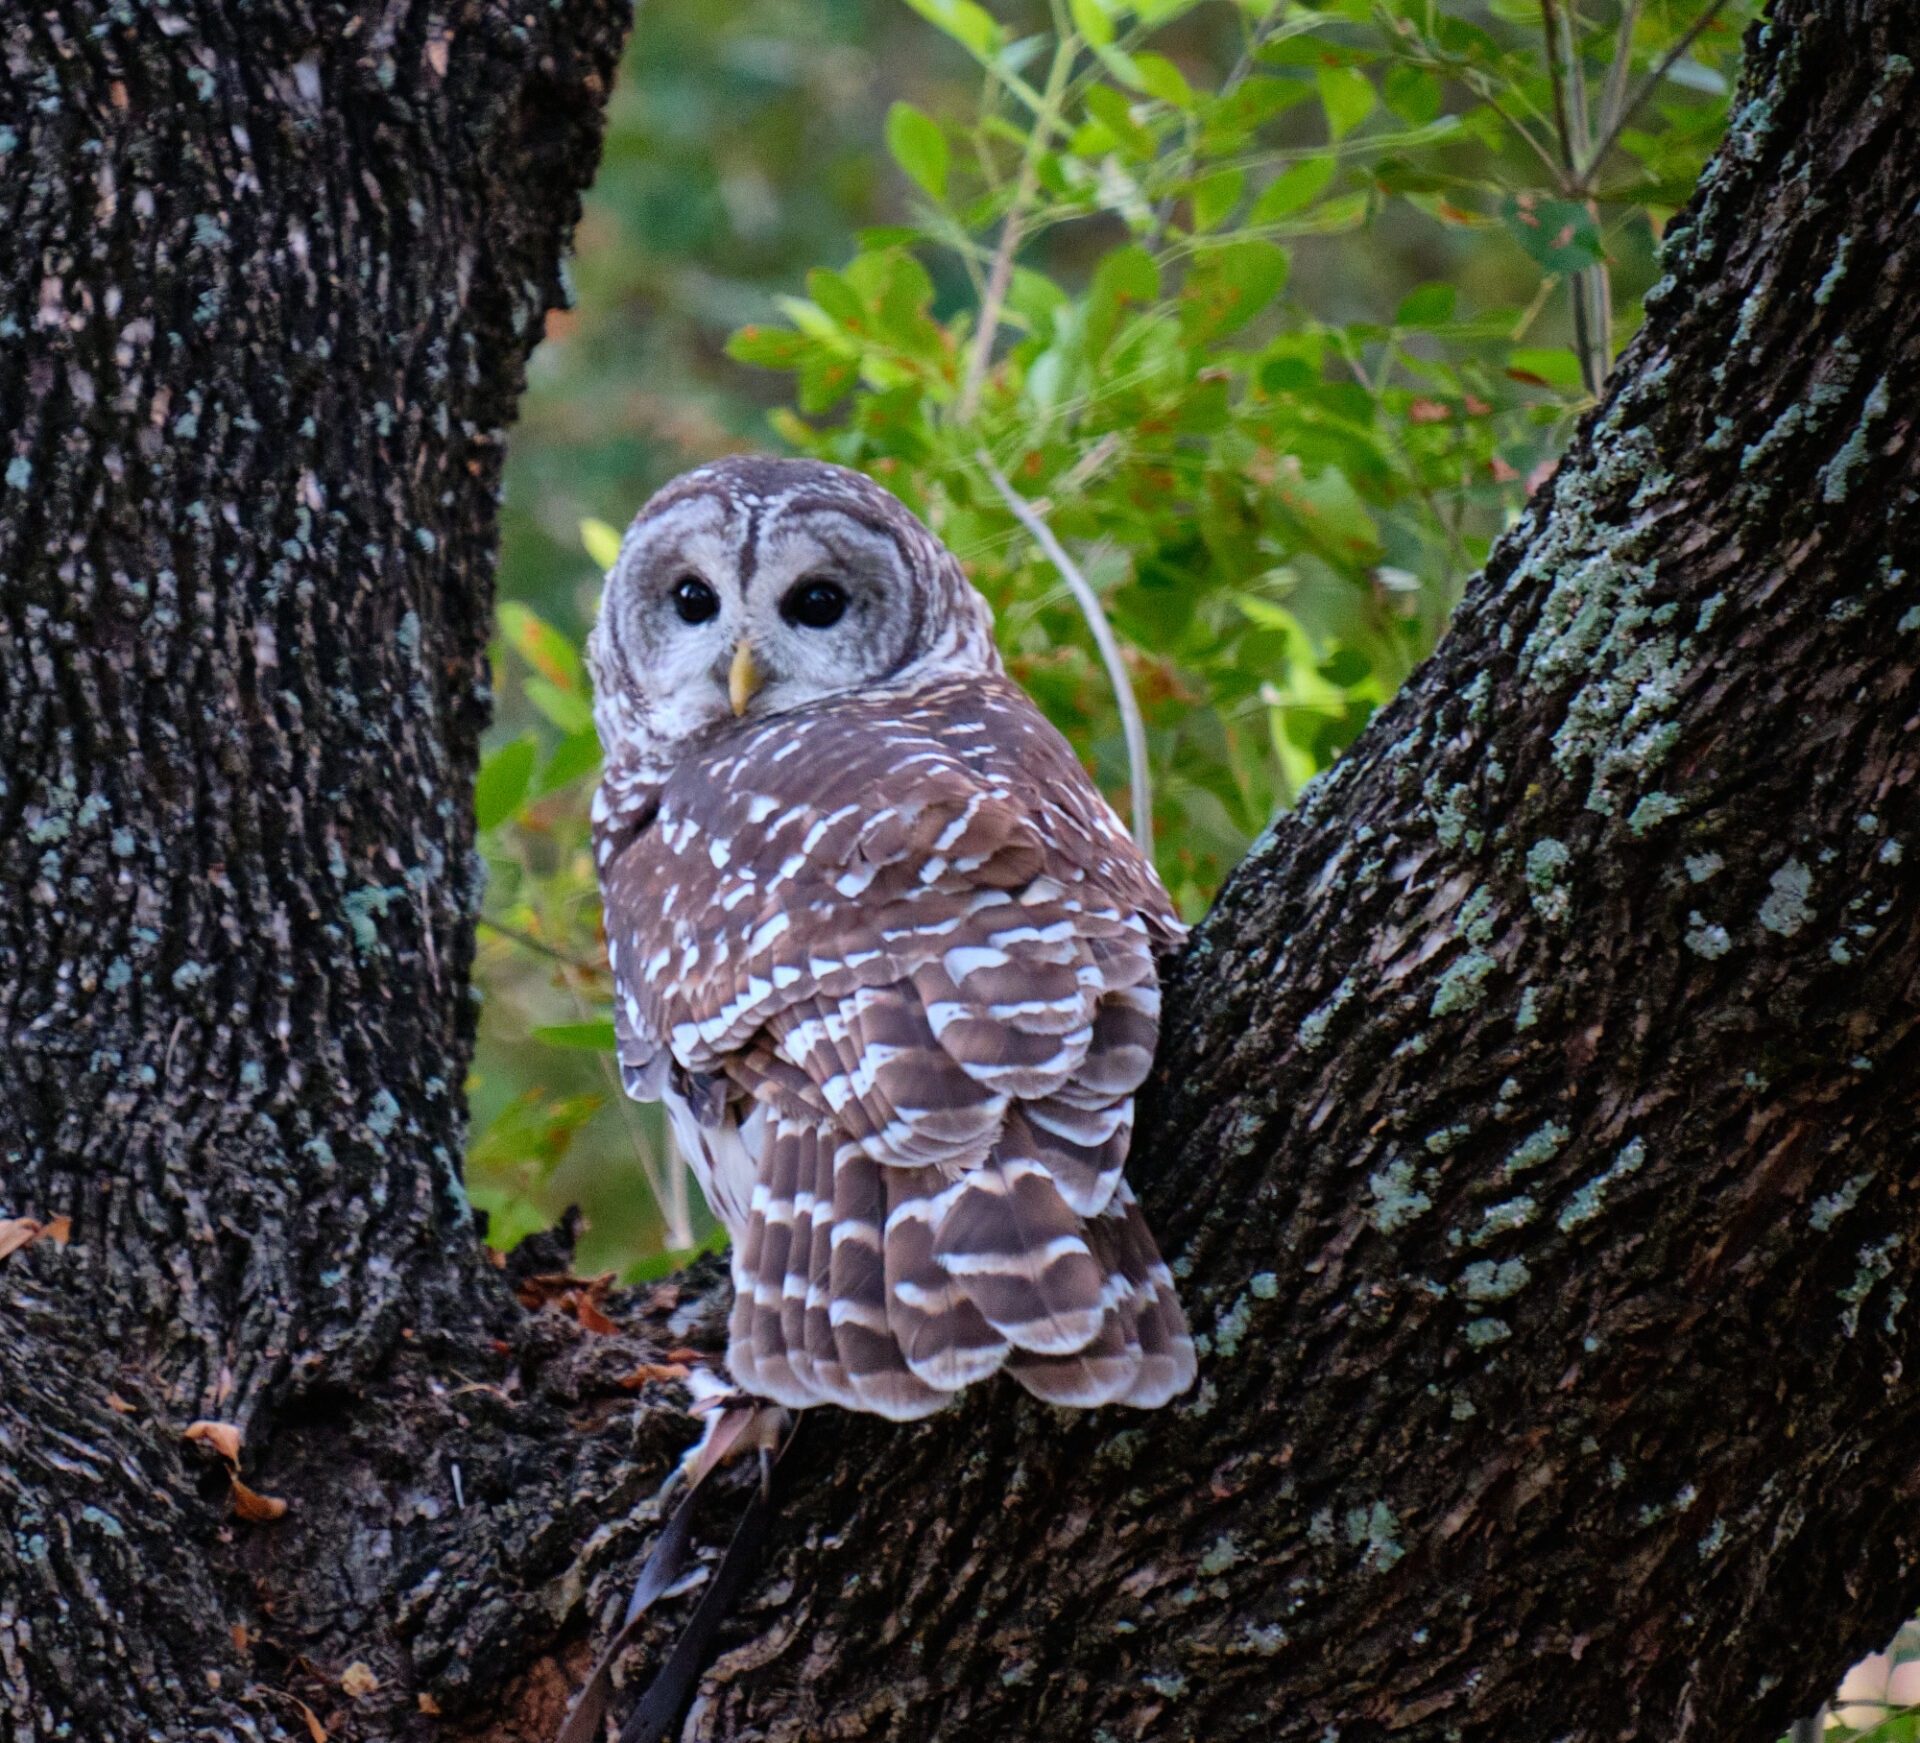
<point>735,1422</point>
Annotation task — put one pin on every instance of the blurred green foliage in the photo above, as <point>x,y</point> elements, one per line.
<point>1272,312</point>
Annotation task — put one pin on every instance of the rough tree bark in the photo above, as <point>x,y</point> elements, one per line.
<point>1535,1123</point>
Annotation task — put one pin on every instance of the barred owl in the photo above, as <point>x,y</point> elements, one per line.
<point>883,950</point>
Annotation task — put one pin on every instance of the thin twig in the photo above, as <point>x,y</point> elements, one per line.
<point>1616,92</point>
<point>1131,724</point>
<point>1012,227</point>
<point>529,942</point>
<point>1648,86</point>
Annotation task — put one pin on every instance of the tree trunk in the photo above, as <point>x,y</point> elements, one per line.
<point>1534,1126</point>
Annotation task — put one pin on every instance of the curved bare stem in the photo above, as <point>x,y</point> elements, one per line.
<point>1131,724</point>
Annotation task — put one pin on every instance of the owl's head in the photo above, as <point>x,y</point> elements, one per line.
<point>755,586</point>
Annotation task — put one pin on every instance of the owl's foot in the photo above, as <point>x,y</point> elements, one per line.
<point>733,1423</point>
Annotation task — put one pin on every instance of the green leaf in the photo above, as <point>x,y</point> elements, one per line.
<point>1412,93</point>
<point>971,26</point>
<point>597,1037</point>
<point>1231,284</point>
<point>578,754</point>
<point>1546,368</point>
<point>769,347</point>
<point>1290,190</point>
<point>502,782</point>
<point>1093,21</point>
<point>1112,110</point>
<point>836,297</point>
<point>1126,276</point>
<point>1216,195</point>
<point>919,147</point>
<point>543,647</point>
<point>568,711</point>
<point>1159,77</point>
<point>1559,235</point>
<point>600,541</point>
<point>1346,94</point>
<point>1426,307</point>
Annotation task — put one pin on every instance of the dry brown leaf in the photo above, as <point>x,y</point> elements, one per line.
<point>315,1730</point>
<point>663,1298</point>
<point>59,1231</point>
<point>259,1508</point>
<point>587,1311</point>
<point>427,1704</point>
<point>120,1406</point>
<point>17,1232</point>
<point>652,1371</point>
<point>358,1679</point>
<point>223,1437</point>
<point>242,1637</point>
<point>536,1291</point>
<point>683,1354</point>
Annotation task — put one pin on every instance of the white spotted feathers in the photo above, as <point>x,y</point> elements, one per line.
<point>884,951</point>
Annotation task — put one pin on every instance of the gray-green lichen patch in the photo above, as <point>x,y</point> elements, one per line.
<point>1484,1333</point>
<point>1654,809</point>
<point>1504,1218</point>
<point>1231,1326</point>
<point>1529,1012</point>
<point>1853,452</point>
<point>1828,1210</point>
<point>1461,986</point>
<point>1396,1198</point>
<point>1537,1148</point>
<point>1876,1262</point>
<point>1701,866</point>
<point>1546,859</point>
<point>1785,910</point>
<point>1312,1032</point>
<point>1378,1527</point>
<point>1590,1200</point>
<point>1706,940</point>
<point>1222,1555</point>
<point>1494,1280</point>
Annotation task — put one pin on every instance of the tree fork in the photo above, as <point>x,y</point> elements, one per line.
<point>1533,1125</point>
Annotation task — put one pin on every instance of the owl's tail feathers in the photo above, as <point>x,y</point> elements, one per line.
<point>868,1355</point>
<point>1144,1354</point>
<point>758,1351</point>
<point>944,1338</point>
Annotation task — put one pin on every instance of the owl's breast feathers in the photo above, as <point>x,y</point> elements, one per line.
<point>904,954</point>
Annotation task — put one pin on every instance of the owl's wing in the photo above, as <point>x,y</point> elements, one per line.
<point>945,1002</point>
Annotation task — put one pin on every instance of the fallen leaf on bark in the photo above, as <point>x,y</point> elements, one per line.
<point>259,1508</point>
<point>120,1406</point>
<point>22,1231</point>
<point>428,1705</point>
<point>358,1679</point>
<point>223,1437</point>
<point>652,1371</point>
<point>588,1313</point>
<point>579,1296</point>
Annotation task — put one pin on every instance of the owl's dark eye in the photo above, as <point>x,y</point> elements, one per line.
<point>815,604</point>
<point>694,600</point>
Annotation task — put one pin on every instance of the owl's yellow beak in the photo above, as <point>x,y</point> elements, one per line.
<point>744,678</point>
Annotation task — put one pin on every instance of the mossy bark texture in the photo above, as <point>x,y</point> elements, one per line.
<point>1535,1127</point>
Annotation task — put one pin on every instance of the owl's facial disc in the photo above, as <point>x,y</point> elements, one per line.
<point>754,587</point>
